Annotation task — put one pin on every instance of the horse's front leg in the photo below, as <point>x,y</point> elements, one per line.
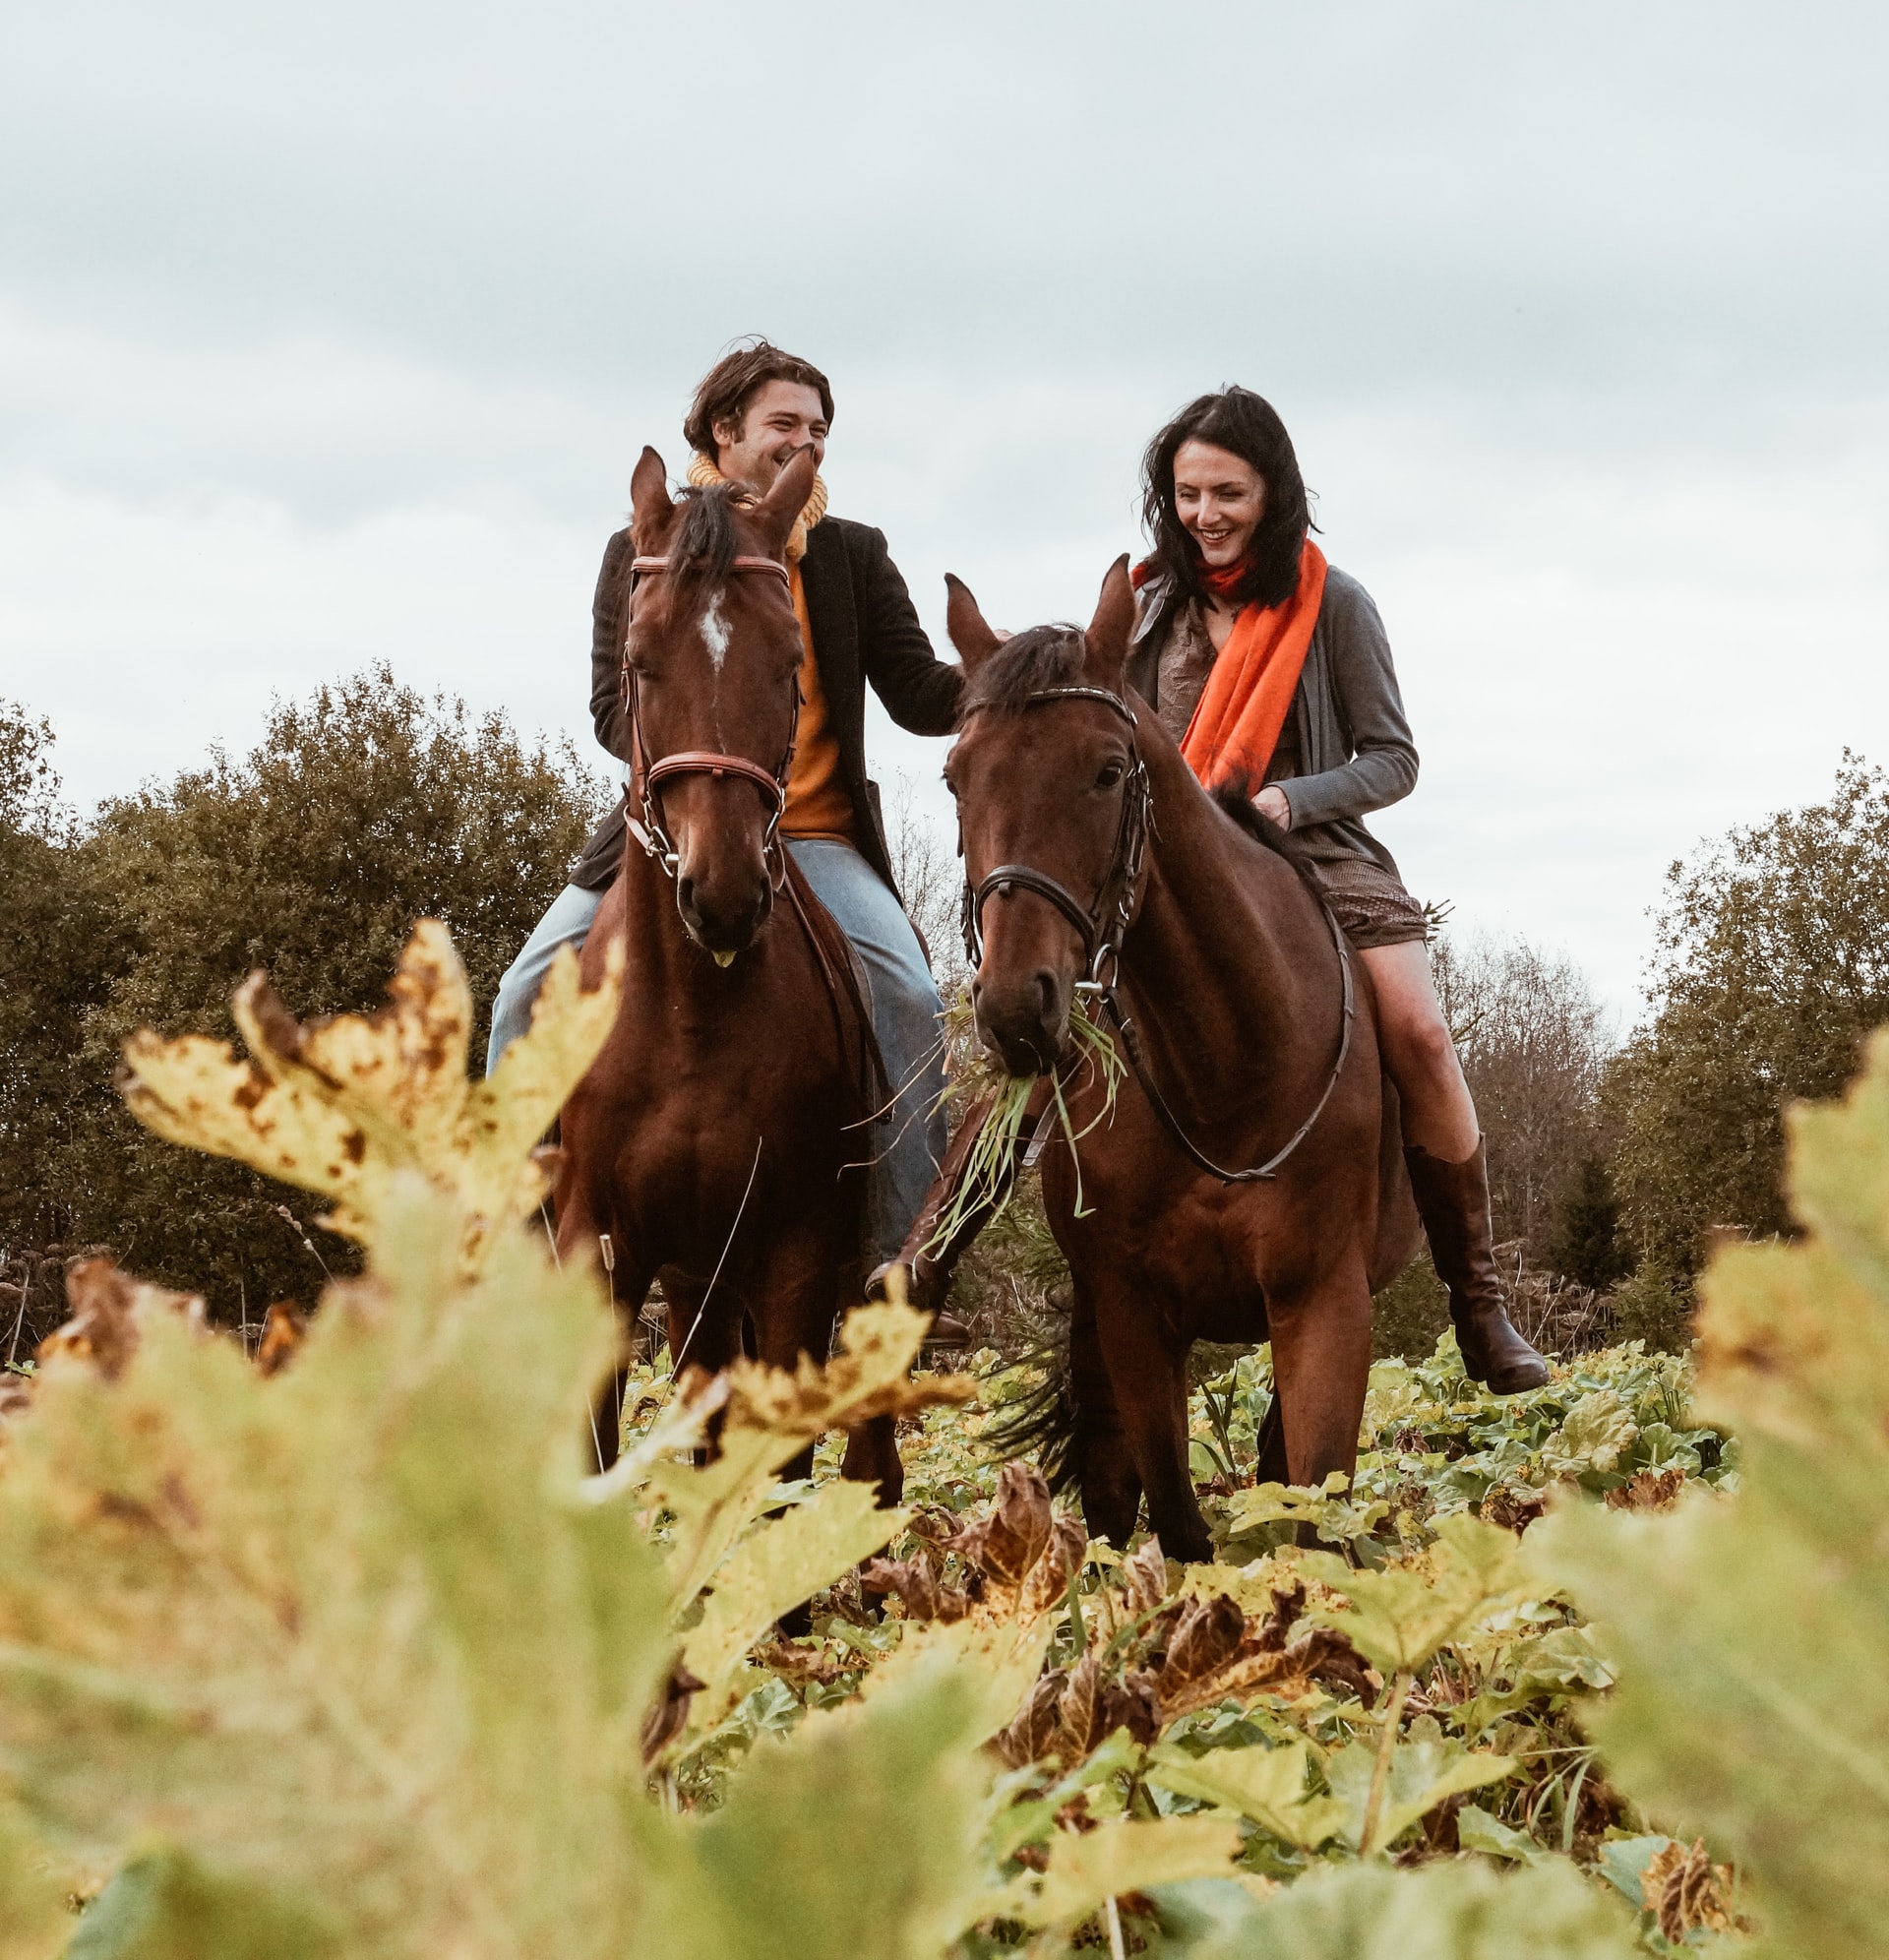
<point>1099,1453</point>
<point>1147,1367</point>
<point>1321,1369</point>
<point>794,1314</point>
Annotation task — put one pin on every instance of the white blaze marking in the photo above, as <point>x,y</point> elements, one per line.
<point>714,632</point>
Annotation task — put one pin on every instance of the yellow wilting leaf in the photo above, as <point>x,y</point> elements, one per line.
<point>1089,1867</point>
<point>771,1413</point>
<point>346,1634</point>
<point>1749,1631</point>
<point>1401,1616</point>
<point>343,1106</point>
<point>1267,1785</point>
<point>772,1570</point>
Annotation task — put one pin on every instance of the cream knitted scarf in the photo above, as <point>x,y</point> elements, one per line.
<point>702,472</point>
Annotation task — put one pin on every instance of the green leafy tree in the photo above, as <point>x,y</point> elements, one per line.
<point>63,946</point>
<point>364,808</point>
<point>1588,1245</point>
<point>1772,962</point>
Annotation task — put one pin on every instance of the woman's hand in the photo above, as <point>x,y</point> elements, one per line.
<point>1272,804</point>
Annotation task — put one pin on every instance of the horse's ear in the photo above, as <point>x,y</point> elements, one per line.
<point>779,511</point>
<point>649,506</point>
<point>970,635</point>
<point>1107,638</point>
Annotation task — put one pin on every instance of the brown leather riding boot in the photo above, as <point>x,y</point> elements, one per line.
<point>1453,1201</point>
<point>929,1269</point>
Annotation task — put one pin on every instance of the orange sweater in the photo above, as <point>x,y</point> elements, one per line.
<point>817,805</point>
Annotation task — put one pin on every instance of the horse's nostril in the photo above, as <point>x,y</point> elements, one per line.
<point>686,895</point>
<point>1045,997</point>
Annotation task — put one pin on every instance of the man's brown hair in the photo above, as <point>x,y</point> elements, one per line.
<point>725,390</point>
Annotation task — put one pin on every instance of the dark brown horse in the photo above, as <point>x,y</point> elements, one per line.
<point>1249,1183</point>
<point>716,1142</point>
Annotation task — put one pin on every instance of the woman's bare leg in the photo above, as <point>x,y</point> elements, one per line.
<point>1418,1054</point>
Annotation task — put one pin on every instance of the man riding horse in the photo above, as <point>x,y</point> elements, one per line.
<point>754,411</point>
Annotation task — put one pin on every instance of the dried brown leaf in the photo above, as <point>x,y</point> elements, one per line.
<point>106,1307</point>
<point>1650,1489</point>
<point>284,1329</point>
<point>1006,1545</point>
<point>1032,1735</point>
<point>917,1587</point>
<point>668,1716</point>
<point>1683,1889</point>
<point>1146,1573</point>
<point>1208,1635</point>
<point>1049,1582</point>
<point>1083,1704</point>
<point>1288,1603</point>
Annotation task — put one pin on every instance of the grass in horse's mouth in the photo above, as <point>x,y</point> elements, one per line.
<point>990,1172</point>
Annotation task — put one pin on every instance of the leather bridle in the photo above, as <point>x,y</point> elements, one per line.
<point>1105,924</point>
<point>647,778</point>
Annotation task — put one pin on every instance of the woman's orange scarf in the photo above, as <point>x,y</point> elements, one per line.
<point>1248,694</point>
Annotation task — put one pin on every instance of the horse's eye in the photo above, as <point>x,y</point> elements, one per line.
<point>1112,773</point>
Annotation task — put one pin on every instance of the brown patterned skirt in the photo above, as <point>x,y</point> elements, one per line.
<point>1368,901</point>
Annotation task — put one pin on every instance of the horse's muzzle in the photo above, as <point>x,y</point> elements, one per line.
<point>724,922</point>
<point>1025,1021</point>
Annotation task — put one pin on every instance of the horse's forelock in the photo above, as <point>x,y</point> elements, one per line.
<point>1044,656</point>
<point>702,546</point>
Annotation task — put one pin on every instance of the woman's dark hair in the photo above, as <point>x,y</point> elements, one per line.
<point>725,390</point>
<point>1248,426</point>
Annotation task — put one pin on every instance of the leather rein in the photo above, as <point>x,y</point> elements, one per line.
<point>1104,925</point>
<point>650,777</point>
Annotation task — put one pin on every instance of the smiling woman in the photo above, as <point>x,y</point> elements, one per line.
<point>1272,670</point>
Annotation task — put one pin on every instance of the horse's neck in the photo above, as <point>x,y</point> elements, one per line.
<point>1228,959</point>
<point>660,962</point>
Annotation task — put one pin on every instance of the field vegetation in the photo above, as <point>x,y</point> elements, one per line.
<point>314,1639</point>
<point>339,1652</point>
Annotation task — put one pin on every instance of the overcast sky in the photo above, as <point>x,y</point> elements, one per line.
<point>331,333</point>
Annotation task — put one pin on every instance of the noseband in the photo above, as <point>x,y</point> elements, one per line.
<point>647,778</point>
<point>1105,924</point>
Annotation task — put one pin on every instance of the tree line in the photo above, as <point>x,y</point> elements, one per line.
<point>362,808</point>
<point>366,806</point>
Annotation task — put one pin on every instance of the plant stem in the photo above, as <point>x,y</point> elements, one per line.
<point>1380,1770</point>
<point>1118,1947</point>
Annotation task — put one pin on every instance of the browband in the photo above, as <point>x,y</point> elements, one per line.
<point>745,560</point>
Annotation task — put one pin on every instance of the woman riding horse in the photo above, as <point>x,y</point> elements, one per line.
<point>1271,669</point>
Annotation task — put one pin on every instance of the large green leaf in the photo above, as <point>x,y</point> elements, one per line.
<point>348,1631</point>
<point>1749,1631</point>
<point>1444,1911</point>
<point>1401,1616</point>
<point>859,1835</point>
<point>1266,1785</point>
<point>167,1906</point>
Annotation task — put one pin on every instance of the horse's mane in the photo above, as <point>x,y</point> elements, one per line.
<point>1045,657</point>
<point>1234,804</point>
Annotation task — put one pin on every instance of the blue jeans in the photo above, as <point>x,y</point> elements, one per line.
<point>906,1012</point>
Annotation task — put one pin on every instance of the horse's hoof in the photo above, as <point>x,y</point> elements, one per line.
<point>947,1331</point>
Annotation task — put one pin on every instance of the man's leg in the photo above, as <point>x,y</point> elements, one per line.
<point>905,1018</point>
<point>566,923</point>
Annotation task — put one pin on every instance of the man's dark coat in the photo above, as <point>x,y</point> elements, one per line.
<point>865,629</point>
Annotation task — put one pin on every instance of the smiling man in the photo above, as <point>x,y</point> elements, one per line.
<point>755,410</point>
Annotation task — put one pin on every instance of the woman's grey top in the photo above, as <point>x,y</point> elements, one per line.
<point>1346,749</point>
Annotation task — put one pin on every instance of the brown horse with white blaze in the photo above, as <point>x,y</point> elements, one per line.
<point>716,1142</point>
<point>1247,1185</point>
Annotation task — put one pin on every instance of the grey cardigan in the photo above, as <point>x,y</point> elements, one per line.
<point>1355,751</point>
